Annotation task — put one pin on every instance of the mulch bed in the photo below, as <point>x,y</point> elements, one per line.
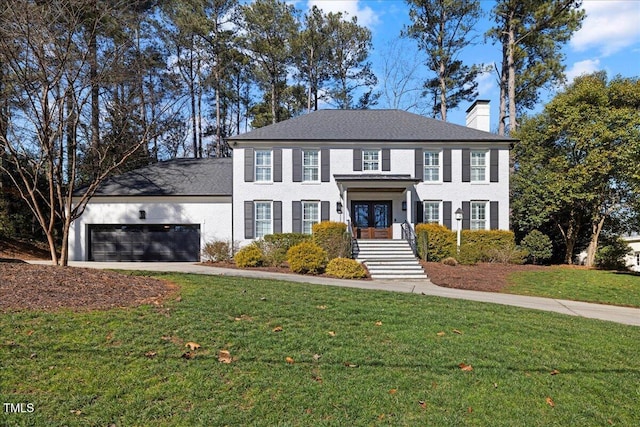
<point>49,288</point>
<point>487,277</point>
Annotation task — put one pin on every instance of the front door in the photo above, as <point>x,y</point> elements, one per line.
<point>371,220</point>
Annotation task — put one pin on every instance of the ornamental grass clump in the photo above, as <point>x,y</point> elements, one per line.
<point>307,258</point>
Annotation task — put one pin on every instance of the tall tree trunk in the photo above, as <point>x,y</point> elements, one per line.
<point>502,108</point>
<point>511,83</point>
<point>192,95</point>
<point>596,228</point>
<point>95,89</point>
<point>273,102</point>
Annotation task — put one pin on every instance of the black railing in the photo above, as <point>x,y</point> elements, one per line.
<point>410,236</point>
<point>355,249</point>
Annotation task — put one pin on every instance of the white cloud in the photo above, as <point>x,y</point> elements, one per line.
<point>366,16</point>
<point>610,26</point>
<point>587,66</point>
<point>486,84</point>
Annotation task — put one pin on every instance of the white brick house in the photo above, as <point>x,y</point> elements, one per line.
<point>373,169</point>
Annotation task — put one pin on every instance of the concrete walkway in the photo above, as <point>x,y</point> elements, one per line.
<point>624,315</point>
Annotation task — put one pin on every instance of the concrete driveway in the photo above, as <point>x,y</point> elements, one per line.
<point>624,315</point>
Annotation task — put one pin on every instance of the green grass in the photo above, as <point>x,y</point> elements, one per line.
<point>90,369</point>
<point>605,287</point>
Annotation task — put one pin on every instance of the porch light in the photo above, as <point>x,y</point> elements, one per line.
<point>339,207</point>
<point>142,214</point>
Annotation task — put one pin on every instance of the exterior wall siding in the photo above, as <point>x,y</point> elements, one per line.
<point>213,214</point>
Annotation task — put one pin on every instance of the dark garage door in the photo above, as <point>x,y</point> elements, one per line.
<point>144,242</point>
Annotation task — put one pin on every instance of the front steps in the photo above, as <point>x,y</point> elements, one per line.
<point>389,259</point>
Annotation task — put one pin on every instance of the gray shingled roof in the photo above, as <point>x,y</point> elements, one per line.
<point>366,125</point>
<point>180,177</point>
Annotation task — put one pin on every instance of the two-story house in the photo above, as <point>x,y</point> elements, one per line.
<point>373,169</point>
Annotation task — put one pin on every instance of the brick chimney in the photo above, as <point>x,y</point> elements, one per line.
<point>478,115</point>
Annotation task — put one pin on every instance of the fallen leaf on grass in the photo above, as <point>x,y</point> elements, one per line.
<point>290,360</point>
<point>332,334</point>
<point>321,307</point>
<point>150,354</point>
<point>393,391</point>
<point>550,402</point>
<point>441,334</point>
<point>465,367</point>
<point>378,323</point>
<point>278,329</point>
<point>224,356</point>
<point>555,372</point>
<point>350,365</point>
<point>76,411</point>
<point>456,331</point>
<point>188,355</point>
<point>192,345</point>
<point>30,333</point>
<point>423,404</point>
<point>316,357</point>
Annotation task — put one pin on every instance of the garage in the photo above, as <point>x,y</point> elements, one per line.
<point>144,242</point>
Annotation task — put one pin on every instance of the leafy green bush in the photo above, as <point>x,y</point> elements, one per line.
<point>612,255</point>
<point>332,237</point>
<point>538,245</point>
<point>275,246</point>
<point>307,257</point>
<point>346,268</point>
<point>249,256</point>
<point>218,251</point>
<point>435,242</point>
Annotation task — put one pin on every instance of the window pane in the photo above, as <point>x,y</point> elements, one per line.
<point>432,212</point>
<point>310,169</point>
<point>370,160</point>
<point>310,216</point>
<point>478,166</point>
<point>431,166</point>
<point>263,165</point>
<point>263,219</point>
<point>478,215</point>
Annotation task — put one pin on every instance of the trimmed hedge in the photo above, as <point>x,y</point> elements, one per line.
<point>249,256</point>
<point>332,236</point>
<point>307,257</point>
<point>479,245</point>
<point>346,268</point>
<point>435,242</point>
<point>275,246</point>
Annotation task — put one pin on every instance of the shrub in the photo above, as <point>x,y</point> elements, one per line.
<point>332,237</point>
<point>346,268</point>
<point>307,257</point>
<point>479,245</point>
<point>538,245</point>
<point>218,251</point>
<point>451,261</point>
<point>249,256</point>
<point>612,256</point>
<point>275,246</point>
<point>509,254</point>
<point>435,242</point>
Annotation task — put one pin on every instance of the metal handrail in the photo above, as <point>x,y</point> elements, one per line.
<point>410,236</point>
<point>355,249</point>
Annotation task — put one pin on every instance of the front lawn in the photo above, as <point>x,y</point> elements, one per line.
<point>578,284</point>
<point>315,355</point>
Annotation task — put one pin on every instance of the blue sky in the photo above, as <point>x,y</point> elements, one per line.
<point>608,40</point>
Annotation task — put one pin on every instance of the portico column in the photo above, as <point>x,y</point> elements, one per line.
<point>409,207</point>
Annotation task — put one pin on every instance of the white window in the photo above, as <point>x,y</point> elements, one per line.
<point>478,166</point>
<point>310,166</point>
<point>310,216</point>
<point>264,219</point>
<point>432,212</point>
<point>432,166</point>
<point>478,215</point>
<point>263,166</point>
<point>370,160</point>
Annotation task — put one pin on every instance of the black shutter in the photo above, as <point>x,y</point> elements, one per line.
<point>446,215</point>
<point>386,159</point>
<point>277,165</point>
<point>493,161</point>
<point>466,215</point>
<point>419,219</point>
<point>297,165</point>
<point>248,165</point>
<point>324,211</point>
<point>493,216</point>
<point>446,165</point>
<point>296,215</point>
<point>277,217</point>
<point>419,172</point>
<point>357,159</point>
<point>248,220</point>
<point>466,165</point>
<point>325,168</point>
